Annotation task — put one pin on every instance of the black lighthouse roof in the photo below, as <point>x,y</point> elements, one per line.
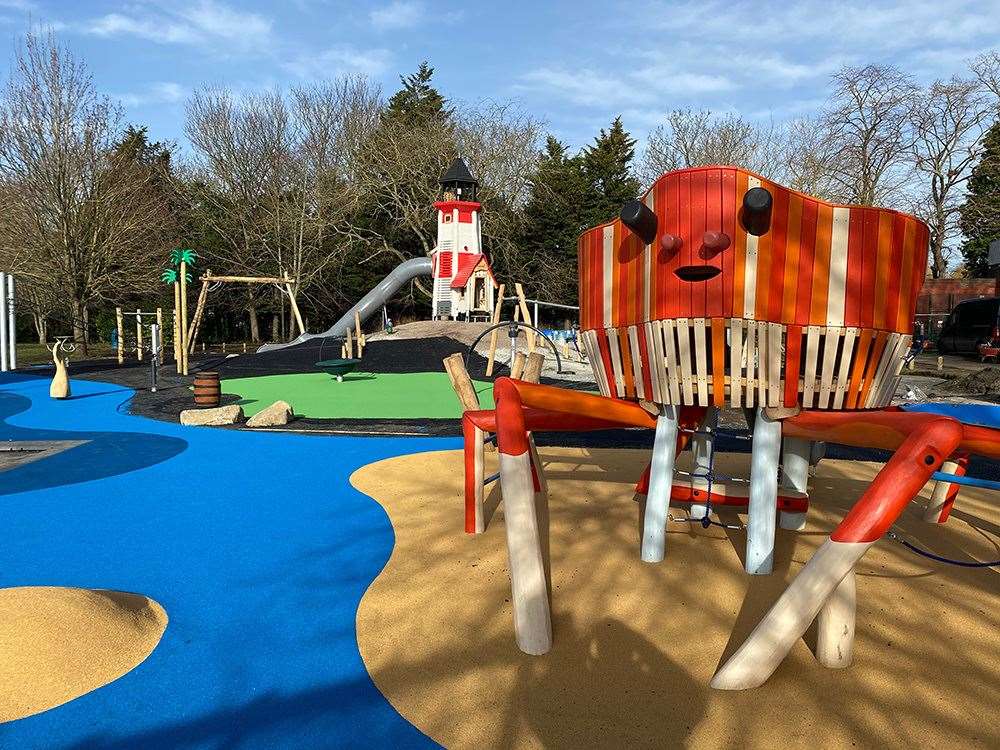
<point>458,172</point>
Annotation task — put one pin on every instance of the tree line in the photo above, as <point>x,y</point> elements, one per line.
<point>332,183</point>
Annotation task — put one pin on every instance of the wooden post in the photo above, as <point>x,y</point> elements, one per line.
<point>454,365</point>
<point>295,307</point>
<point>357,331</point>
<point>498,308</point>
<point>475,474</point>
<point>138,334</point>
<point>350,346</point>
<point>525,316</point>
<point>762,509</point>
<point>525,559</point>
<point>533,367</point>
<point>835,625</point>
<point>121,335</point>
<point>199,310</point>
<point>184,319</point>
<point>517,366</point>
<point>661,479</point>
<point>159,323</point>
<point>514,342</point>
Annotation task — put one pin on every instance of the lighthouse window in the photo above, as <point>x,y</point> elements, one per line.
<point>447,218</point>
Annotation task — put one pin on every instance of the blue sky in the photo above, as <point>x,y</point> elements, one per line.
<point>574,64</point>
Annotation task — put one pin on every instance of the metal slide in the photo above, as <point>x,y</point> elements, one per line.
<point>402,274</point>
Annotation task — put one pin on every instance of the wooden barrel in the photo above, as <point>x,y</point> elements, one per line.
<point>207,391</point>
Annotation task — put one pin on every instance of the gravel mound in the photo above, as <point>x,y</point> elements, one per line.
<point>985,382</point>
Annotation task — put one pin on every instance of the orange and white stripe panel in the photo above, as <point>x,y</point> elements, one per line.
<point>817,310</point>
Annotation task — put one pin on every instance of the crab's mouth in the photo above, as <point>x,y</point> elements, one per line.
<point>697,273</point>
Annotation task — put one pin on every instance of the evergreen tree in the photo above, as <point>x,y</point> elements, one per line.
<point>402,161</point>
<point>418,102</point>
<point>607,166</point>
<point>980,214</point>
<point>554,217</point>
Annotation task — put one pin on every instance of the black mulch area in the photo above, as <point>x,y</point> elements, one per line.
<point>401,355</point>
<point>173,392</point>
<point>384,356</point>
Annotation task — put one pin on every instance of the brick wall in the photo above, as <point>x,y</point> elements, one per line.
<point>939,296</point>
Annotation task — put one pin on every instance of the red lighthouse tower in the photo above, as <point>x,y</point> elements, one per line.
<point>464,284</point>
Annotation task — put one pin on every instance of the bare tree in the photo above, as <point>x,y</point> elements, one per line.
<point>948,123</point>
<point>693,138</point>
<point>83,222</point>
<point>866,127</point>
<point>807,158</point>
<point>277,175</point>
<point>501,141</point>
<point>987,69</point>
<point>405,160</point>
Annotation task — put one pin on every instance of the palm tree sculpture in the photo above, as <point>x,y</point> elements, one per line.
<point>181,258</point>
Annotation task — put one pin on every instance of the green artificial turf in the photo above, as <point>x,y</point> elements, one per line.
<point>415,395</point>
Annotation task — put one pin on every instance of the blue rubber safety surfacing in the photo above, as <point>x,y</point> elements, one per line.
<point>985,415</point>
<point>254,543</point>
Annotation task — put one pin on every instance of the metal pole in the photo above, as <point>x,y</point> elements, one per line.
<point>536,315</point>
<point>701,447</point>
<point>138,334</point>
<point>3,323</point>
<point>155,345</point>
<point>12,321</point>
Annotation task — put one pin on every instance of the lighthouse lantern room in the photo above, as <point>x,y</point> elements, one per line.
<point>464,284</point>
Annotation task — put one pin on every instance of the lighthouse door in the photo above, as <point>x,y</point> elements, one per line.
<point>479,293</point>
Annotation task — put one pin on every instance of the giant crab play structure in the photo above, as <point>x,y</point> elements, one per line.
<point>717,289</point>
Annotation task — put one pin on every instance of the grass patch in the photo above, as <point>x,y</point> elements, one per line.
<point>36,354</point>
<point>416,395</point>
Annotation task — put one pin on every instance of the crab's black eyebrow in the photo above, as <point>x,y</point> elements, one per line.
<point>637,216</point>
<point>756,213</point>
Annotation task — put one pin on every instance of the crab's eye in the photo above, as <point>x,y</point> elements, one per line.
<point>715,242</point>
<point>671,243</point>
<point>756,212</point>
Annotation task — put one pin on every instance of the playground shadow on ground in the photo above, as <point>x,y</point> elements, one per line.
<point>635,645</point>
<point>98,454</point>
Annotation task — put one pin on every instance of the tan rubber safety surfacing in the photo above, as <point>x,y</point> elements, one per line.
<point>57,644</point>
<point>635,645</point>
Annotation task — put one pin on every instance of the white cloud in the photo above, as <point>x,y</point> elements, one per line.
<point>164,92</point>
<point>399,14</point>
<point>205,23</point>
<point>641,86</point>
<point>18,5</point>
<point>861,25</point>
<point>584,87</point>
<point>115,24</point>
<point>341,60</point>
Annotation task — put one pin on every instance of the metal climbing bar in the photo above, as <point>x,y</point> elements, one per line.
<point>988,484</point>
